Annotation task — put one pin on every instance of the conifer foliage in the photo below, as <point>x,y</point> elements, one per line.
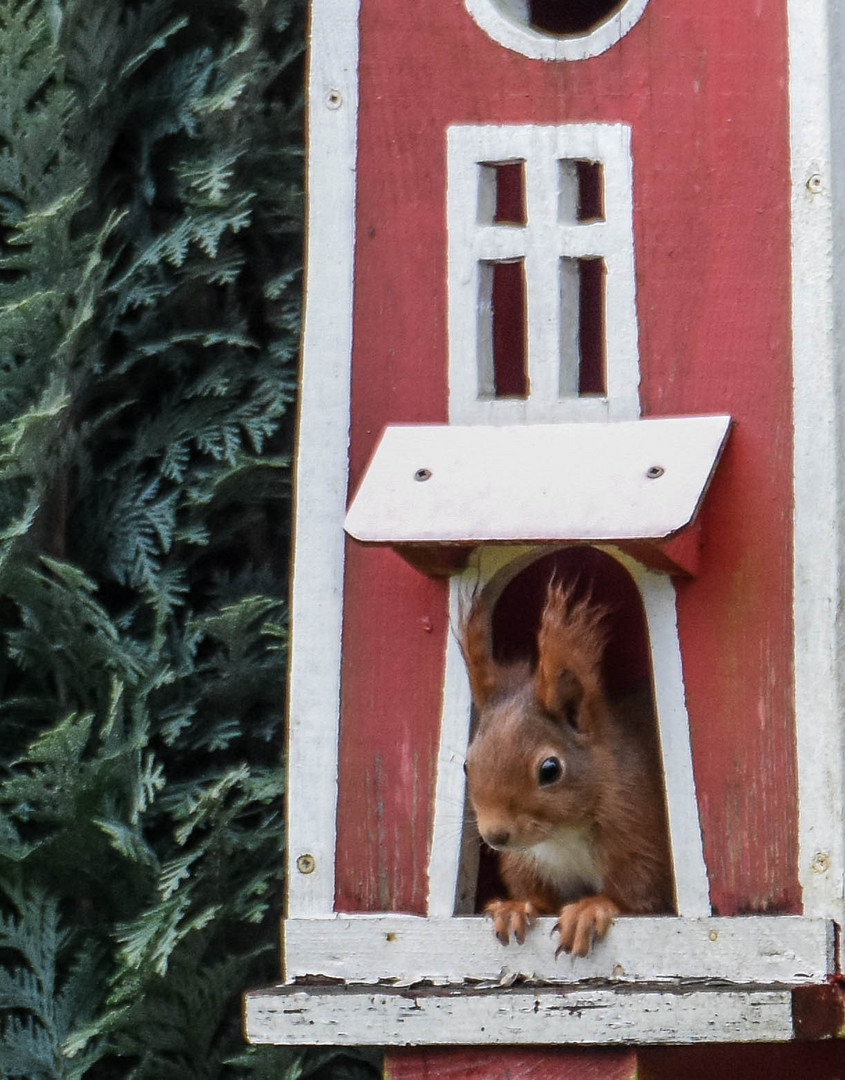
<point>150,205</point>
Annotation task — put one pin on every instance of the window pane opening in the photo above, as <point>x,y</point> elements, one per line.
<point>592,364</point>
<point>626,671</point>
<point>565,17</point>
<point>583,371</point>
<point>503,348</point>
<point>581,197</point>
<point>502,193</point>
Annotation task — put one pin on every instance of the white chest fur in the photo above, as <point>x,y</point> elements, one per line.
<point>567,862</point>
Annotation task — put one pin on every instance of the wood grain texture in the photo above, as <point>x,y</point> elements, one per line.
<point>509,1064</point>
<point>388,747</point>
<point>816,140</point>
<point>736,1062</point>
<point>354,1016</point>
<point>320,489</point>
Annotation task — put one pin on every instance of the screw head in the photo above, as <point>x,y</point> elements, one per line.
<point>654,472</point>
<point>334,99</point>
<point>306,864</point>
<point>815,183</point>
<point>821,862</point>
<point>422,475</point>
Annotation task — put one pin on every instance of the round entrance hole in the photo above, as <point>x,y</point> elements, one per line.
<point>564,17</point>
<point>557,29</point>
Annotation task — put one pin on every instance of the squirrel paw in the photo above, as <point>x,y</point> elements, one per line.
<point>511,917</point>
<point>582,921</point>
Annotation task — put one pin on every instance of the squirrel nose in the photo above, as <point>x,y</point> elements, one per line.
<point>497,839</point>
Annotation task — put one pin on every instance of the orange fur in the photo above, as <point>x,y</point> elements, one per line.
<point>591,842</point>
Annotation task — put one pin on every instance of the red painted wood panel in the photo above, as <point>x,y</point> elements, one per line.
<point>824,1061</point>
<point>704,88</point>
<point>511,1064</point>
<point>388,739</point>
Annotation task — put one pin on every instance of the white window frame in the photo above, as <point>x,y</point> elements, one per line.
<point>541,243</point>
<point>506,21</point>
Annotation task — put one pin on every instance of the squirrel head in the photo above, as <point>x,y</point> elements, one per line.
<point>533,762</point>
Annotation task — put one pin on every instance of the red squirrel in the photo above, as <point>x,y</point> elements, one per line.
<point>566,785</point>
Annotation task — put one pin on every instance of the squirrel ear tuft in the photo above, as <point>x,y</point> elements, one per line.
<point>570,645</point>
<point>475,640</point>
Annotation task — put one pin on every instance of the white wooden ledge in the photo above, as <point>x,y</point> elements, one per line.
<point>408,949</point>
<point>638,479</point>
<point>331,1016</point>
<point>402,980</point>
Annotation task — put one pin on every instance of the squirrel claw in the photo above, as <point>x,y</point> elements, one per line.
<point>583,921</point>
<point>511,917</point>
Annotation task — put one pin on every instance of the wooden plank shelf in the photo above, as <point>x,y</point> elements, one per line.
<point>535,1015</point>
<point>764,950</point>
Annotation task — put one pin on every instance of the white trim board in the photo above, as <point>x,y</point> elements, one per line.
<point>816,69</point>
<point>326,1017</point>
<point>748,950</point>
<point>317,603</point>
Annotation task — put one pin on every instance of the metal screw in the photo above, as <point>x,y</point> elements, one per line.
<point>714,935</point>
<point>422,474</point>
<point>821,862</point>
<point>654,472</point>
<point>334,99</point>
<point>814,183</point>
<point>306,864</point>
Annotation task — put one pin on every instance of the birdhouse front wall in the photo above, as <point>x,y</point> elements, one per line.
<point>702,97</point>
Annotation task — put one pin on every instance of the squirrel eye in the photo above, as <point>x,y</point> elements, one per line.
<point>549,771</point>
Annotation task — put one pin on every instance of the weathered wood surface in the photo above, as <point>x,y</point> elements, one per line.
<point>347,1017</point>
<point>320,493</point>
<point>504,1064</point>
<point>787,949</point>
<point>816,68</point>
<point>734,1062</point>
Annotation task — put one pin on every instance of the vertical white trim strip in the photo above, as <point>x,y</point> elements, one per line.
<point>321,480</point>
<point>692,890</point>
<point>817,480</point>
<point>444,862</point>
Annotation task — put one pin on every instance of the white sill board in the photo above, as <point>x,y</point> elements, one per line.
<point>405,949</point>
<point>326,1016</point>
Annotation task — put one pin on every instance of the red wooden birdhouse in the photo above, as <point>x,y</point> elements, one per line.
<point>572,310</point>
